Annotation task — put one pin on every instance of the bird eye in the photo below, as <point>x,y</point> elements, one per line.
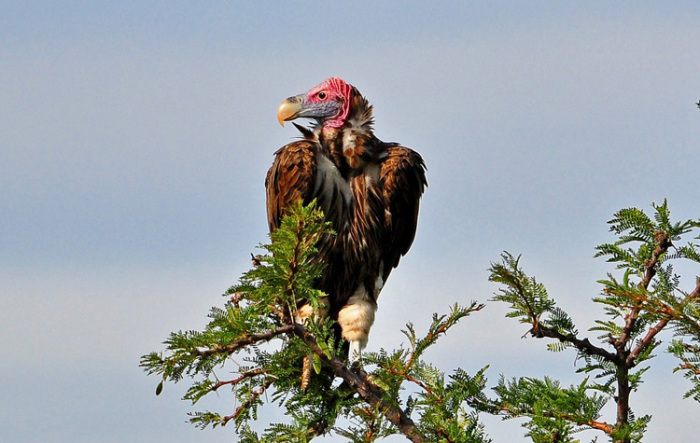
<point>322,95</point>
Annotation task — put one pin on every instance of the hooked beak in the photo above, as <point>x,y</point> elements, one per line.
<point>290,108</point>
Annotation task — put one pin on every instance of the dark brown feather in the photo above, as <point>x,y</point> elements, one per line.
<point>290,178</point>
<point>402,180</point>
<point>368,189</point>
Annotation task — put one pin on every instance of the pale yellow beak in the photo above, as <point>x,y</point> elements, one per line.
<point>289,109</point>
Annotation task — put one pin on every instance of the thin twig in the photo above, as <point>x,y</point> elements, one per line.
<point>246,404</point>
<point>583,345</point>
<point>242,342</point>
<point>646,341</point>
<point>602,426</point>
<point>410,378</point>
<point>247,374</point>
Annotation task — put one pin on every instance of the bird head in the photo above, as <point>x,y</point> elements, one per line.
<point>328,103</point>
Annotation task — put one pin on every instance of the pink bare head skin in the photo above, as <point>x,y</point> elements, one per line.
<point>337,90</point>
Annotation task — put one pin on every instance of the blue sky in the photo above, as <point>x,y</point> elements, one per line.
<point>136,137</point>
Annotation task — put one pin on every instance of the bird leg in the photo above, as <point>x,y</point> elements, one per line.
<point>355,320</point>
<point>355,354</point>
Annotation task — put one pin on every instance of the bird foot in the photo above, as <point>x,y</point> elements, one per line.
<point>355,356</point>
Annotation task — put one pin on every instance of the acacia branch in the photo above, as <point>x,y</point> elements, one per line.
<point>412,379</point>
<point>530,310</point>
<point>367,390</point>
<point>690,367</point>
<point>696,292</point>
<point>246,404</point>
<point>601,426</point>
<point>538,330</point>
<point>646,341</point>
<point>690,323</point>
<point>247,374</point>
<point>583,345</point>
<point>662,244</point>
<point>242,342</point>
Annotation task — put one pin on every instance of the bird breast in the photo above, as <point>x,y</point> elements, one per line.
<point>330,184</point>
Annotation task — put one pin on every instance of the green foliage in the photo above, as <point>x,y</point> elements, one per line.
<point>689,355</point>
<point>441,404</point>
<point>257,325</point>
<point>255,337</point>
<point>555,413</point>
<point>259,309</point>
<point>646,299</point>
<point>529,301</point>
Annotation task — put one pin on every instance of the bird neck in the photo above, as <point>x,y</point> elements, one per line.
<point>353,145</point>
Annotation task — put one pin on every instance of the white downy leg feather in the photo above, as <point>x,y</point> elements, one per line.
<point>355,320</point>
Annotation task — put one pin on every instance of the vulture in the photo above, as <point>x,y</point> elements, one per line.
<point>369,190</point>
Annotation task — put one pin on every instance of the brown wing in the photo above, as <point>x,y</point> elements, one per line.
<point>402,178</point>
<point>291,177</point>
<point>301,172</point>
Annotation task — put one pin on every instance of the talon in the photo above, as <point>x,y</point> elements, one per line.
<point>355,355</point>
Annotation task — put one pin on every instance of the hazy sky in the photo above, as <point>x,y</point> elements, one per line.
<point>136,136</point>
